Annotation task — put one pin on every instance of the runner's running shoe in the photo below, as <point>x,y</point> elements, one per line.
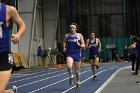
<point>94,78</point>
<point>97,67</point>
<point>14,89</point>
<point>70,81</point>
<point>77,86</point>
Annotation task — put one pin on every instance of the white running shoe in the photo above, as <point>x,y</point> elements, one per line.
<point>138,82</point>
<point>72,76</point>
<point>14,89</point>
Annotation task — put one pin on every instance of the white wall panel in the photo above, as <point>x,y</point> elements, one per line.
<point>26,13</point>
<point>50,18</point>
<point>26,5</point>
<point>24,44</point>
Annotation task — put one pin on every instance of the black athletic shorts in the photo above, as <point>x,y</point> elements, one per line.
<point>6,61</point>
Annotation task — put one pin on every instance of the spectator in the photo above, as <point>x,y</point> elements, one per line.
<point>114,52</point>
<point>40,55</point>
<point>53,54</point>
<point>136,45</point>
<point>133,56</point>
<point>125,54</point>
<point>46,57</point>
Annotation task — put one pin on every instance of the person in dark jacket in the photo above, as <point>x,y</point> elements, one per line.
<point>137,46</point>
<point>53,54</point>
<point>133,56</point>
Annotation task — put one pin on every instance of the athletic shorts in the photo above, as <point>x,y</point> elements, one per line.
<point>93,56</point>
<point>6,61</point>
<point>76,57</point>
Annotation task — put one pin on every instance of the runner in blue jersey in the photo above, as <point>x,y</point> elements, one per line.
<point>72,44</point>
<point>94,46</point>
<point>8,13</point>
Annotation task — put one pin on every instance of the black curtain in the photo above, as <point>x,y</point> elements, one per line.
<point>134,17</point>
<point>9,2</point>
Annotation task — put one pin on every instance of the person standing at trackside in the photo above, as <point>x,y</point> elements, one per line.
<point>137,46</point>
<point>47,58</point>
<point>113,52</point>
<point>125,54</point>
<point>8,14</point>
<point>40,55</point>
<point>94,46</point>
<point>53,54</point>
<point>72,44</point>
<point>133,55</point>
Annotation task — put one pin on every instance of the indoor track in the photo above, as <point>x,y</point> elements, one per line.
<point>57,81</point>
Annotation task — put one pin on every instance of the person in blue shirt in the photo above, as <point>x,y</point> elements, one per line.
<point>72,44</point>
<point>40,55</point>
<point>8,13</point>
<point>94,46</point>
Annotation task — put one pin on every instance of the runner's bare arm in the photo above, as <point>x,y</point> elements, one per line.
<point>99,43</point>
<point>64,43</point>
<point>82,41</point>
<point>17,19</point>
<point>87,46</point>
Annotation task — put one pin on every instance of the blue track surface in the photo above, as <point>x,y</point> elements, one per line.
<point>56,81</point>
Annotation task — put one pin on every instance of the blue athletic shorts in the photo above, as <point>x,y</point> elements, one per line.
<point>93,56</point>
<point>76,57</point>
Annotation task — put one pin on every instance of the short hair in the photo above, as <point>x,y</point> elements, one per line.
<point>92,32</point>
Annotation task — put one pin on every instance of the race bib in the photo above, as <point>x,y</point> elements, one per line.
<point>10,58</point>
<point>1,29</point>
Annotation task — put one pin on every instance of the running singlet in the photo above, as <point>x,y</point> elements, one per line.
<point>93,50</point>
<point>71,44</point>
<point>5,38</point>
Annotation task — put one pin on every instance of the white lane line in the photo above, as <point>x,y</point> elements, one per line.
<point>13,77</point>
<point>41,80</point>
<point>87,79</point>
<point>55,83</point>
<point>17,75</point>
<point>20,74</point>
<point>39,76</point>
<point>108,81</point>
<point>30,74</point>
<point>35,76</point>
<point>27,71</point>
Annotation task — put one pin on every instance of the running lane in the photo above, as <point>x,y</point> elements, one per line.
<point>57,81</point>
